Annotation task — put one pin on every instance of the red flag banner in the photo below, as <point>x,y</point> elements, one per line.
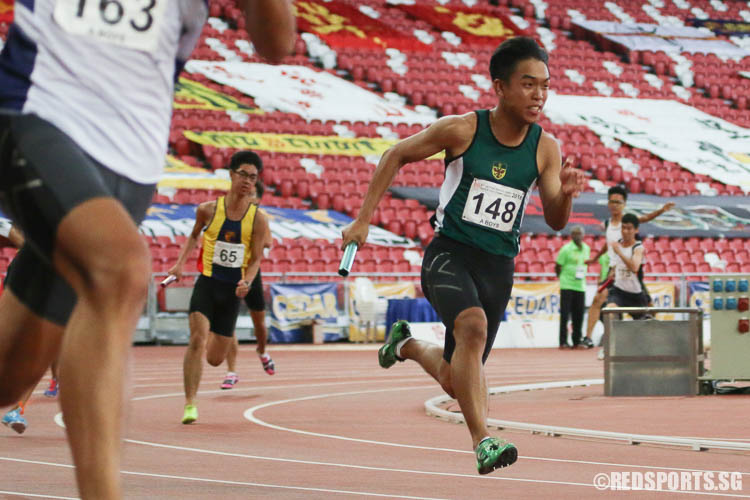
<point>482,26</point>
<point>6,11</point>
<point>341,25</point>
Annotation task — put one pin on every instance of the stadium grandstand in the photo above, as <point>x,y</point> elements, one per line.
<point>649,94</point>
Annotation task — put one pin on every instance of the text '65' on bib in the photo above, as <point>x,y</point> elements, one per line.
<point>229,254</point>
<point>134,24</point>
<point>492,205</point>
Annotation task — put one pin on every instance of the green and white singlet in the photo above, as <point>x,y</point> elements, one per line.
<point>486,189</point>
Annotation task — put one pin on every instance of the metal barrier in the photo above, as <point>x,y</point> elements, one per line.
<point>647,357</point>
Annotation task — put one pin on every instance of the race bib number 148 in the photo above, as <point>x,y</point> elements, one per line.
<point>492,205</point>
<point>134,24</point>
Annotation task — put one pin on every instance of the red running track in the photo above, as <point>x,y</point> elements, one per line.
<point>332,424</point>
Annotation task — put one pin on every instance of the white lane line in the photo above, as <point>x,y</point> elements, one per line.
<point>378,469</point>
<point>357,467</point>
<point>23,494</point>
<point>221,481</point>
<point>250,415</point>
<point>58,420</point>
<point>267,387</point>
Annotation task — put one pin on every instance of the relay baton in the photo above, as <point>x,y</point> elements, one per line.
<point>169,279</point>
<point>604,285</point>
<point>348,259</point>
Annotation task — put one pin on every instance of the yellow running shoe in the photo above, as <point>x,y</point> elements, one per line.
<point>190,415</point>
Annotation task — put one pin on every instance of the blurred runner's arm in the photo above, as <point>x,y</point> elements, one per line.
<point>16,237</point>
<point>203,215</point>
<point>656,213</point>
<point>271,26</point>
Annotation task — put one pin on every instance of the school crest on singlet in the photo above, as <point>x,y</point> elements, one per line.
<point>498,170</point>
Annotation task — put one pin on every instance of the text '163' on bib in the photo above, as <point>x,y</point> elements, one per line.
<point>134,24</point>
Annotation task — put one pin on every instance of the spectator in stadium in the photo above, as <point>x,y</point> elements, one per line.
<point>234,232</point>
<point>616,198</point>
<point>570,267</point>
<point>86,105</point>
<point>493,158</point>
<point>256,304</point>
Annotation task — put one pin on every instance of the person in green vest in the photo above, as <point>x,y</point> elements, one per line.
<point>493,159</point>
<point>570,267</point>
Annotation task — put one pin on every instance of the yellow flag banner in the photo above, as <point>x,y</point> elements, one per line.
<point>292,143</point>
<point>189,94</point>
<point>484,25</point>
<point>6,11</point>
<point>342,25</point>
<point>179,175</point>
<point>177,166</point>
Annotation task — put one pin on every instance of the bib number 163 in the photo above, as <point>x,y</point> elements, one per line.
<point>133,24</point>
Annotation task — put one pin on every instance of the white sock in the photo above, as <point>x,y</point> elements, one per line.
<point>483,440</point>
<point>231,374</point>
<point>264,357</point>
<point>400,345</point>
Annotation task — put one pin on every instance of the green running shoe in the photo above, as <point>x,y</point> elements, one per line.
<point>494,453</point>
<point>387,353</point>
<point>190,415</point>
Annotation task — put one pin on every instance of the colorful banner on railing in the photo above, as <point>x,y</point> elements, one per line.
<point>699,142</point>
<point>534,301</point>
<point>178,220</point>
<point>533,316</point>
<point>293,143</point>
<point>654,37</point>
<point>308,93</point>
<point>343,26</point>
<point>478,25</point>
<point>6,11</point>
<point>699,296</point>
<point>294,307</point>
<point>192,95</point>
<point>723,26</point>
<point>662,295</point>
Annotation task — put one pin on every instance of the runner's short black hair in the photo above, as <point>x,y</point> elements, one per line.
<point>506,57</point>
<point>618,190</point>
<point>245,157</point>
<point>259,189</point>
<point>631,219</point>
